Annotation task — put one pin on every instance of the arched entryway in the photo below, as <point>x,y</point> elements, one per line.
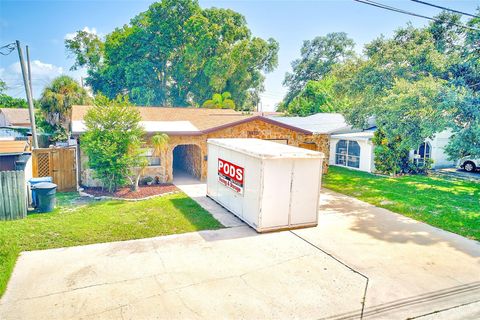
<point>187,160</point>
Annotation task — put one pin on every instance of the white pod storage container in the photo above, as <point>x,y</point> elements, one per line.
<point>270,186</point>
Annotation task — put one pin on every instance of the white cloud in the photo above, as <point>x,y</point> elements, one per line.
<point>40,70</point>
<point>42,74</point>
<point>71,35</point>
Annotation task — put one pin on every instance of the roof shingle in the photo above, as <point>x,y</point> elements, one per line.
<point>16,116</point>
<point>202,119</point>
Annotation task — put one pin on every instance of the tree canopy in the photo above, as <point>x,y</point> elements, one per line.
<point>318,56</point>
<point>418,83</point>
<point>415,84</point>
<point>7,101</point>
<point>220,101</point>
<point>176,54</point>
<point>317,96</point>
<point>57,100</point>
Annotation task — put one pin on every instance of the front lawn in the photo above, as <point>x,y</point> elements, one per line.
<point>82,222</point>
<point>449,204</point>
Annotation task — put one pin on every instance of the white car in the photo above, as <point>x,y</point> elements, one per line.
<point>469,164</point>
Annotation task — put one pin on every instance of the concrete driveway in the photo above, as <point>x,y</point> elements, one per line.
<point>403,269</point>
<point>459,173</point>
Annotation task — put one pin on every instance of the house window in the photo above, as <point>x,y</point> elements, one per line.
<point>152,160</point>
<point>424,151</point>
<point>347,154</point>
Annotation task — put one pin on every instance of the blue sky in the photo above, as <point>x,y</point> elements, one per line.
<point>43,25</point>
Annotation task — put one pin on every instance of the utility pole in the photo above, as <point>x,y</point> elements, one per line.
<point>29,70</point>
<point>28,93</point>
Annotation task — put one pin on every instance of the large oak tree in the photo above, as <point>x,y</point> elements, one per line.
<point>176,54</point>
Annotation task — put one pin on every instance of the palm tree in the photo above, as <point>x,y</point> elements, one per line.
<point>159,143</point>
<point>57,100</point>
<point>220,101</point>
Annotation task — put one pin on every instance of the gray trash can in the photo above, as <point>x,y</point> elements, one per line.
<point>34,181</point>
<point>45,192</point>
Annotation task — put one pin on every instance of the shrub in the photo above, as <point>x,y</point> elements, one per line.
<point>390,156</point>
<point>112,141</point>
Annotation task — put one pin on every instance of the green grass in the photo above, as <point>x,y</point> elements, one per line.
<point>78,223</point>
<point>449,204</point>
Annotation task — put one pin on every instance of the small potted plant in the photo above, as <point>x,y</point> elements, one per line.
<point>148,181</point>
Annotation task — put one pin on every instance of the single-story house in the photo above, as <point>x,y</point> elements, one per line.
<point>14,117</point>
<point>189,129</point>
<point>353,148</point>
<point>356,150</point>
<point>15,155</point>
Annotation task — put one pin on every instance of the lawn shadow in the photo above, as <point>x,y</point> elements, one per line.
<point>388,226</point>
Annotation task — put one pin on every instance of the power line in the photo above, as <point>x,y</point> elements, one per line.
<point>445,8</point>
<point>7,49</point>
<point>383,6</point>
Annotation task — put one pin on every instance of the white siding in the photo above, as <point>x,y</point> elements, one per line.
<point>438,143</point>
<point>366,153</point>
<point>438,154</point>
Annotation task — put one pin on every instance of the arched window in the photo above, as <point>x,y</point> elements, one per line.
<point>424,151</point>
<point>347,153</point>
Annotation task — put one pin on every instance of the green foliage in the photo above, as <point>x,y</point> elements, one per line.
<point>160,143</point>
<point>390,155</point>
<point>177,54</point>
<point>220,101</point>
<point>415,84</point>
<point>416,167</point>
<point>112,141</point>
<point>410,55</point>
<point>318,57</point>
<point>57,100</point>
<point>3,86</point>
<point>7,101</point>
<point>317,96</point>
<point>465,126</point>
<point>414,110</point>
<point>86,48</point>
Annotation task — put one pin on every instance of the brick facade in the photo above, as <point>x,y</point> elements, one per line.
<point>195,152</point>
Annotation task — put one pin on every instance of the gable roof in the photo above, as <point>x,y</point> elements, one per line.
<point>319,123</point>
<point>183,121</point>
<point>361,135</point>
<point>16,116</point>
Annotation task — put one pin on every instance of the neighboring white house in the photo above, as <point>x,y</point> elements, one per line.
<point>354,148</point>
<point>435,150</point>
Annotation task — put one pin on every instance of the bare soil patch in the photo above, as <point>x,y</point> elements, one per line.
<point>127,193</point>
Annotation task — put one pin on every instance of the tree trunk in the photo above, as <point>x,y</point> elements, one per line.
<point>137,180</point>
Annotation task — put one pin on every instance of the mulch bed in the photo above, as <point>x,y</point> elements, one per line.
<point>126,193</point>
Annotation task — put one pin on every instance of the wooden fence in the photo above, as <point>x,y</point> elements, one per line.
<point>13,195</point>
<point>58,163</point>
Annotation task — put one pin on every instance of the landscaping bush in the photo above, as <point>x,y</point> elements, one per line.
<point>390,157</point>
<point>419,168</point>
<point>112,141</point>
